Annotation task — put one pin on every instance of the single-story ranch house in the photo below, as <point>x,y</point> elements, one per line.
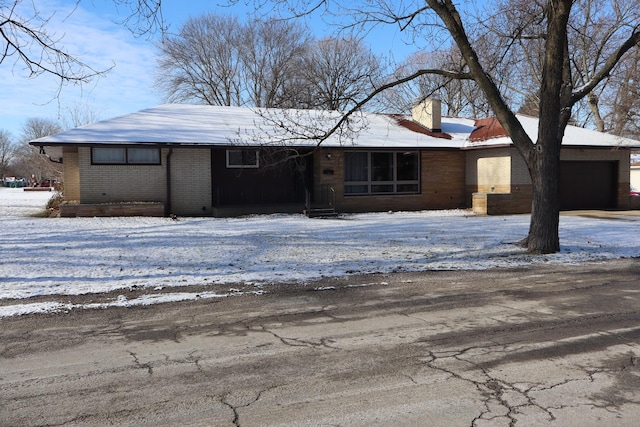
<point>224,161</point>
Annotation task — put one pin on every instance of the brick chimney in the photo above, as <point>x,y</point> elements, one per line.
<point>428,114</point>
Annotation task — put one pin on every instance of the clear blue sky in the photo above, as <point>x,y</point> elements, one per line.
<point>90,31</point>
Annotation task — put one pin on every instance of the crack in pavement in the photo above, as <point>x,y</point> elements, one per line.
<point>235,408</point>
<point>496,392</point>
<point>511,397</point>
<point>298,342</point>
<point>146,366</point>
<point>195,360</point>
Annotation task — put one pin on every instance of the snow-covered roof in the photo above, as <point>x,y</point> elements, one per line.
<point>205,125</point>
<point>573,136</point>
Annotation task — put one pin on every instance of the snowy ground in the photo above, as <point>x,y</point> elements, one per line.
<point>54,257</point>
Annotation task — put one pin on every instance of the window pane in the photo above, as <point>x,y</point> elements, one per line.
<point>356,189</point>
<point>249,157</point>
<point>382,173</point>
<point>109,155</point>
<point>382,166</point>
<point>385,188</point>
<point>356,167</point>
<point>144,156</point>
<point>407,166</point>
<point>242,158</point>
<point>234,157</point>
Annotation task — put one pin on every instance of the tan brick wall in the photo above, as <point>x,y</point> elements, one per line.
<point>328,170</point>
<point>503,203</point>
<point>191,181</point>
<point>494,174</point>
<point>513,172</point>
<point>71,174</point>
<point>443,178</point>
<point>441,183</point>
<point>117,183</point>
<point>519,198</point>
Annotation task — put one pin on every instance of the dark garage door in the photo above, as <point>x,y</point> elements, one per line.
<point>588,185</point>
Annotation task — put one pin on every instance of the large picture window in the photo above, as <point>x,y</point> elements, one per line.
<point>381,172</point>
<point>125,156</point>
<point>242,159</point>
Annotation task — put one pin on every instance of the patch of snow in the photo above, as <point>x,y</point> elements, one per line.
<point>52,257</point>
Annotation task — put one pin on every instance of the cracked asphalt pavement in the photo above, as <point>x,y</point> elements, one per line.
<point>541,345</point>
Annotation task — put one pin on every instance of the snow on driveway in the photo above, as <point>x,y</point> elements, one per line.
<point>72,256</point>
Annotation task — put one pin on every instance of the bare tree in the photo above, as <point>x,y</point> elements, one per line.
<point>545,22</point>
<point>35,128</point>
<point>270,52</point>
<point>624,116</point>
<point>28,161</point>
<point>217,60</point>
<point>338,70</point>
<point>202,62</point>
<point>7,150</point>
<point>79,115</point>
<point>595,29</point>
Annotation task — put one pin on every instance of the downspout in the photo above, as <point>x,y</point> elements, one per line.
<point>167,206</point>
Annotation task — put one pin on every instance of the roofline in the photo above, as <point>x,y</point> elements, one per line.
<point>563,146</point>
<point>342,147</point>
<point>201,145</point>
<point>35,143</point>
<point>486,146</point>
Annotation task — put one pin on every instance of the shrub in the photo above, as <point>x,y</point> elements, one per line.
<point>54,201</point>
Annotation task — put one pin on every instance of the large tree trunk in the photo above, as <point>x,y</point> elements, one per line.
<point>543,237</point>
<point>544,160</point>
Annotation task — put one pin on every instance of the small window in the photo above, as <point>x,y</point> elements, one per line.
<point>125,156</point>
<point>242,158</point>
<point>109,156</point>
<point>143,156</point>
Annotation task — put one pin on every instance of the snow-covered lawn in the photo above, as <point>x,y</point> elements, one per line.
<point>72,256</point>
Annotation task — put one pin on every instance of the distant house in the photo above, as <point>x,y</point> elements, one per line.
<point>226,161</point>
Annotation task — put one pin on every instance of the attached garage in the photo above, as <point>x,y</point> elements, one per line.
<point>588,185</point>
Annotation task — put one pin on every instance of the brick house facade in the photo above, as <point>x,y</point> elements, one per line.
<point>193,160</point>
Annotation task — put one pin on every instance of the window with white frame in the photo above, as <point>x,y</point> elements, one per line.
<point>125,156</point>
<point>381,172</point>
<point>245,158</point>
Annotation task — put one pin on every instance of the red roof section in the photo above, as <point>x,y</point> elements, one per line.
<point>487,129</point>
<point>415,127</point>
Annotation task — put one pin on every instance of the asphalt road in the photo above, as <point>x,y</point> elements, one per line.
<point>545,345</point>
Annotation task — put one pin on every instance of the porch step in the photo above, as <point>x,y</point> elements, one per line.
<point>321,212</point>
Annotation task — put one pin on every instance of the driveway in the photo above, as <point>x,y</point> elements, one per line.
<point>541,345</point>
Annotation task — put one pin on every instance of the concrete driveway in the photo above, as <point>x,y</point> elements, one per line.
<point>545,345</point>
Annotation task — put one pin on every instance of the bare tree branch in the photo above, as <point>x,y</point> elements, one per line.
<point>605,71</point>
<point>27,40</point>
